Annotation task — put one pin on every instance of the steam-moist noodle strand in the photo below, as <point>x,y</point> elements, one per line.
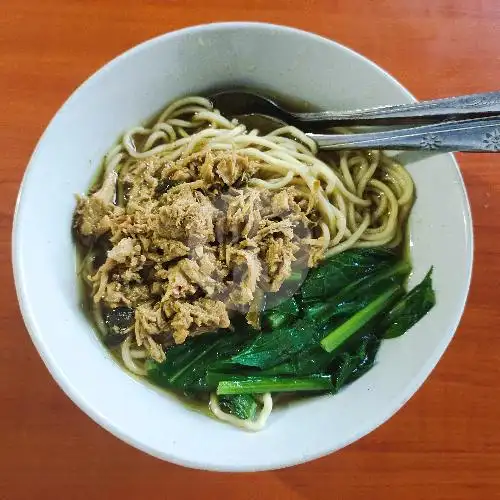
<point>362,198</point>
<point>128,357</point>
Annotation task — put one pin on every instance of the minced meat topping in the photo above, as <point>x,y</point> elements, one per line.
<point>193,242</point>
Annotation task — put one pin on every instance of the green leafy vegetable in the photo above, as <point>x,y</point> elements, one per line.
<point>343,269</point>
<point>259,385</point>
<point>410,309</point>
<point>307,362</point>
<point>283,314</point>
<point>186,365</point>
<point>349,366</point>
<point>242,406</point>
<point>214,377</point>
<point>356,359</point>
<point>290,336</point>
<point>341,333</point>
<point>320,339</point>
<point>359,294</point>
<point>272,348</point>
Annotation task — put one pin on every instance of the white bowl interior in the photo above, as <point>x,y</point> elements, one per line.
<point>129,90</point>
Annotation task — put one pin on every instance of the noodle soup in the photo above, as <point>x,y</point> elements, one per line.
<point>230,265</point>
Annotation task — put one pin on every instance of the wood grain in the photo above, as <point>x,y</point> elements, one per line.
<point>444,444</point>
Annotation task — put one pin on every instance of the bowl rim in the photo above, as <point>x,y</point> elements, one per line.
<point>52,365</point>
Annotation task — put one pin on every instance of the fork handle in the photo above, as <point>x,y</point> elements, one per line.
<point>475,135</point>
<point>450,108</point>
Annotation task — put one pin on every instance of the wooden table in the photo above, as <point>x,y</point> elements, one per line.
<point>444,444</point>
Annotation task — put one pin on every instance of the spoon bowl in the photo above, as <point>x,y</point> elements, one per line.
<point>241,102</point>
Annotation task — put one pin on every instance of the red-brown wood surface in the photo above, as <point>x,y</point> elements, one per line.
<point>444,444</point>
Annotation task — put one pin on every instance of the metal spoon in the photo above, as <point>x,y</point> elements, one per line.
<point>475,135</point>
<point>238,102</point>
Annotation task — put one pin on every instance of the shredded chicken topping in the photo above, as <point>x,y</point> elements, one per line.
<point>193,241</point>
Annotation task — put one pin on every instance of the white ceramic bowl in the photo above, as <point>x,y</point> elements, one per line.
<point>130,89</point>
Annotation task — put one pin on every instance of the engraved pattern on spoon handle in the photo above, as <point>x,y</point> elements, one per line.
<point>479,135</point>
<point>466,106</point>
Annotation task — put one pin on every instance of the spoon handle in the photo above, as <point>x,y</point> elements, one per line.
<point>449,108</point>
<point>477,135</point>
